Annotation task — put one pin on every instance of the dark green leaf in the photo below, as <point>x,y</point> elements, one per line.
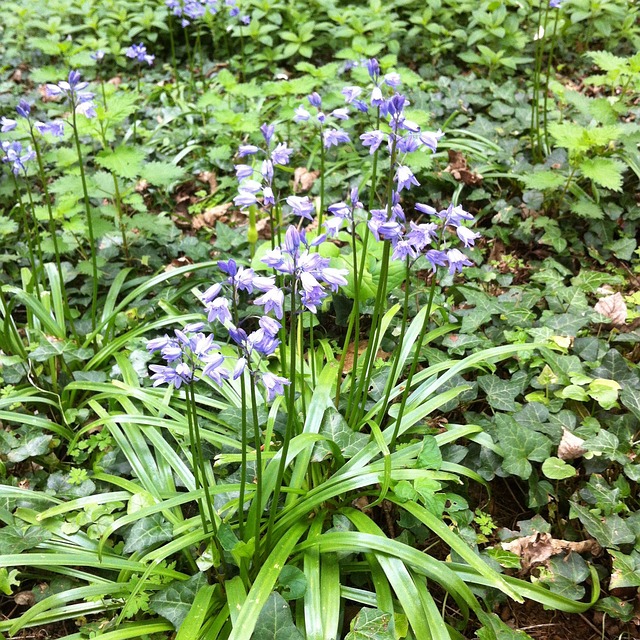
<point>275,621</point>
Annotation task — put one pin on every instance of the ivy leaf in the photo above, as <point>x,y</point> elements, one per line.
<point>520,445</point>
<point>174,602</point>
<point>147,532</point>
<point>15,539</point>
<point>30,447</point>
<point>124,161</point>
<point>626,570</point>
<point>8,580</point>
<point>430,456</point>
<point>501,394</point>
<point>630,398</point>
<point>609,531</point>
<point>162,174</point>
<point>293,582</point>
<point>494,629</point>
<point>557,469</point>
<point>604,392</point>
<point>337,430</point>
<point>614,367</point>
<point>275,621</point>
<point>605,172</point>
<point>371,624</point>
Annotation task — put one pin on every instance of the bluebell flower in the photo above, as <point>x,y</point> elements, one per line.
<point>274,385</point>
<point>301,114</point>
<point>211,293</point>
<point>430,139</point>
<point>372,139</point>
<point>342,113</point>
<point>23,108</point>
<point>351,93</point>
<point>74,91</point>
<point>281,154</point>
<point>218,309</point>
<point>139,52</point>
<point>437,258</point>
<point>247,150</point>
<point>97,55</point>
<point>272,300</point>
<point>457,260</point>
<point>13,155</point>
<point>243,171</point>
<point>315,100</point>
<point>301,206</point>
<point>392,80</point>
<point>373,67</point>
<point>421,235</point>
<point>214,368</point>
<point>404,249</point>
<point>168,375</point>
<point>54,128</point>
<point>245,199</point>
<point>7,124</point>
<point>405,178</point>
<point>467,236</point>
<point>267,131</point>
<point>333,137</point>
<point>554,4</point>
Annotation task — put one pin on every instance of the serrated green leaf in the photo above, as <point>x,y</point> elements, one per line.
<point>8,580</point>
<point>162,174</point>
<point>124,161</point>
<point>587,209</point>
<point>605,172</point>
<point>544,180</point>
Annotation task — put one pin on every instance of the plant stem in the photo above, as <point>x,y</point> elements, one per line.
<point>29,235</point>
<point>258,496</point>
<point>547,79</point>
<point>87,206</point>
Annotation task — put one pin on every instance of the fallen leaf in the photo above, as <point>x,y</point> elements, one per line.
<point>211,216</point>
<point>539,547</point>
<point>570,446</point>
<point>183,261</point>
<point>459,169</point>
<point>613,307</point>
<point>211,179</point>
<point>25,599</point>
<point>303,179</point>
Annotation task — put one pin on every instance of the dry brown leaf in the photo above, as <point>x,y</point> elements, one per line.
<point>303,179</point>
<point>539,547</point>
<point>613,307</point>
<point>459,169</point>
<point>211,179</point>
<point>116,81</point>
<point>25,598</point>
<point>183,261</point>
<point>211,216</point>
<point>362,347</point>
<point>142,185</point>
<point>570,446</point>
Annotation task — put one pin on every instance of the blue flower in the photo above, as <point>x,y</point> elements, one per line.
<point>281,154</point>
<point>139,52</point>
<point>333,137</point>
<point>23,108</point>
<point>457,260</point>
<point>405,178</point>
<point>7,124</point>
<point>430,139</point>
<point>272,300</point>
<point>315,100</point>
<point>54,128</point>
<point>13,154</point>
<point>372,139</point>
<point>274,385</point>
<point>97,55</point>
<point>301,206</point>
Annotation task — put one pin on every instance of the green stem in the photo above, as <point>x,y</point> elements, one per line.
<point>546,83</point>
<point>87,206</point>
<point>243,462</point>
<point>258,496</point>
<point>29,235</point>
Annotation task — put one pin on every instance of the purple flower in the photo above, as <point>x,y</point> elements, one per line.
<point>301,114</point>
<point>407,144</point>
<point>405,178</point>
<point>243,171</point>
<point>272,300</point>
<point>315,100</point>
<point>436,258</point>
<point>7,124</point>
<point>13,155</point>
<point>373,67</point>
<point>139,52</point>
<point>430,139</point>
<point>168,375</point>
<point>245,199</point>
<point>334,277</point>
<point>425,208</point>
<point>467,236</point>
<point>333,137</point>
<point>421,235</point>
<point>404,249</point>
<point>554,4</point>
<point>301,206</point>
<point>376,97</point>
<point>214,369</point>
<point>281,154</point>
<point>54,128</point>
<point>23,108</point>
<point>341,113</point>
<point>274,385</point>
<point>267,196</point>
<point>218,309</point>
<point>351,93</point>
<point>393,80</point>
<point>247,150</point>
<point>97,55</point>
<point>211,293</point>
<point>156,344</point>
<point>267,132</point>
<point>457,260</point>
<point>86,109</point>
<point>372,139</point>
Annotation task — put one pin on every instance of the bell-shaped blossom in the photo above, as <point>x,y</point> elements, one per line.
<point>301,206</point>
<point>7,124</point>
<point>274,385</point>
<point>54,128</point>
<point>430,139</point>
<point>457,260</point>
<point>139,53</point>
<point>467,236</point>
<point>333,137</point>
<point>405,178</point>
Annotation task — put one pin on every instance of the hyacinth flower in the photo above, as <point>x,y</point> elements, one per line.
<point>249,187</point>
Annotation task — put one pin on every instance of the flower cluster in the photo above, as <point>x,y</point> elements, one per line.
<point>139,53</point>
<point>306,271</point>
<point>248,187</point>
<point>342,212</point>
<point>73,90</point>
<point>330,136</point>
<point>185,353</point>
<point>16,156</point>
<point>192,10</point>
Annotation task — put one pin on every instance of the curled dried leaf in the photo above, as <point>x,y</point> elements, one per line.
<point>570,446</point>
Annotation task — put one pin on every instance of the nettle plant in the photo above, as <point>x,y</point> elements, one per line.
<point>258,475</point>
